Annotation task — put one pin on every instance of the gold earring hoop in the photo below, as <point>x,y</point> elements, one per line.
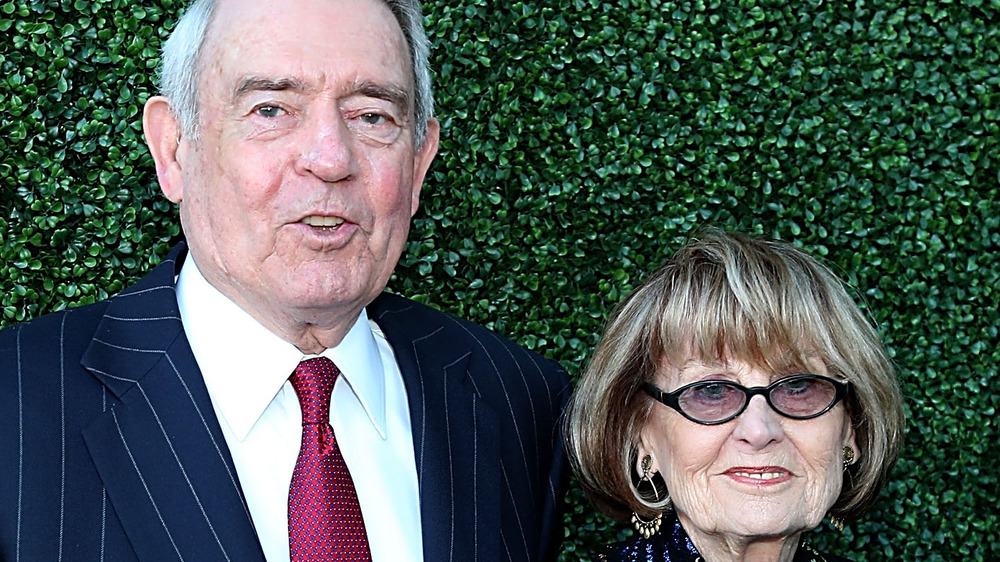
<point>848,456</point>
<point>651,527</point>
<point>838,522</point>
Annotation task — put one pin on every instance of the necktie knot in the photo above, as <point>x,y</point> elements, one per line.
<point>313,382</point>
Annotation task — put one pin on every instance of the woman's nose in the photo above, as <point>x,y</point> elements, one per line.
<point>759,425</point>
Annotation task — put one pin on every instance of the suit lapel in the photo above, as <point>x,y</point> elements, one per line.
<point>454,434</point>
<point>158,446</point>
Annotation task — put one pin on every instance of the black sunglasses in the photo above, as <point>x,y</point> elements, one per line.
<point>712,402</point>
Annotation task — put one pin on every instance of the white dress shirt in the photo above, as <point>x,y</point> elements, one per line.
<point>246,370</point>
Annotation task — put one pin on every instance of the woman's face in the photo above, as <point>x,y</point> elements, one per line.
<point>759,475</point>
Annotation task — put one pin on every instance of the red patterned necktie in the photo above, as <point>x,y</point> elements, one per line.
<point>324,516</point>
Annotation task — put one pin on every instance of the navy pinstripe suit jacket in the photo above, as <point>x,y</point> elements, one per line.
<point>110,448</point>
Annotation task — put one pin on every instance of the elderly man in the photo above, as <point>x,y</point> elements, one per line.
<point>258,396</point>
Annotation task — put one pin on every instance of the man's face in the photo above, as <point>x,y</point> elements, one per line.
<point>297,194</point>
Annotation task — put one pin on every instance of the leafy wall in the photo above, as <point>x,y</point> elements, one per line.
<point>583,142</point>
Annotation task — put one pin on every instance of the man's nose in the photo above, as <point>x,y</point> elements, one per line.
<point>759,424</point>
<point>327,150</point>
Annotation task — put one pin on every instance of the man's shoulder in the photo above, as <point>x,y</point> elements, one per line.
<point>38,351</point>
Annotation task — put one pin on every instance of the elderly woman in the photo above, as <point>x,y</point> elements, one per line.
<point>737,397</point>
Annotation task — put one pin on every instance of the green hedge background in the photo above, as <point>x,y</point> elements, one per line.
<point>584,140</point>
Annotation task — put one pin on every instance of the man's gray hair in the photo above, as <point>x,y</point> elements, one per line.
<point>182,63</point>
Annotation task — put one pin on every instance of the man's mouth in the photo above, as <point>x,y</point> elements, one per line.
<point>323,222</point>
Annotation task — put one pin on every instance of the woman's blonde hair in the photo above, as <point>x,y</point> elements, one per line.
<point>730,297</point>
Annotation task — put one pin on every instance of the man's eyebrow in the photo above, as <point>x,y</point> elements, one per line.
<point>391,94</point>
<point>260,83</point>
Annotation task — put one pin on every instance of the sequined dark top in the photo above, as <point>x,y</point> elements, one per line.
<point>672,544</point>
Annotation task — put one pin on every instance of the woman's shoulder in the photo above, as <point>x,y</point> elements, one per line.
<point>670,544</point>
<point>663,548</point>
<point>653,549</point>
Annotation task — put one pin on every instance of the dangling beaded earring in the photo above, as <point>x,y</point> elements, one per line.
<point>651,527</point>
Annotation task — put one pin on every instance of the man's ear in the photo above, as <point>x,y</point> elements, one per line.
<point>422,161</point>
<point>163,137</point>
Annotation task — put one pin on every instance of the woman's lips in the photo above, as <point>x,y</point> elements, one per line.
<point>759,476</point>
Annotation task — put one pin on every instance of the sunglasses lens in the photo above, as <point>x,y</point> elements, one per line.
<point>803,397</point>
<point>712,401</point>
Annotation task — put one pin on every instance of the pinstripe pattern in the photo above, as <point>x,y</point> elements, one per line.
<point>119,455</point>
<point>145,487</point>
<point>510,407</point>
<point>423,412</point>
<point>451,468</point>
<point>183,470</point>
<point>158,416</point>
<point>140,471</point>
<point>51,468</point>
<point>486,407</point>
<point>62,434</point>
<point>215,444</point>
<point>104,495</point>
<point>20,448</point>
<point>475,490</point>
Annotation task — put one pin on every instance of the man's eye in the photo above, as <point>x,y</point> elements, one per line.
<point>373,118</point>
<point>269,111</point>
<point>378,127</point>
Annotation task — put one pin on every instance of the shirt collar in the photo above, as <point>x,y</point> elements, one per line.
<point>245,365</point>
